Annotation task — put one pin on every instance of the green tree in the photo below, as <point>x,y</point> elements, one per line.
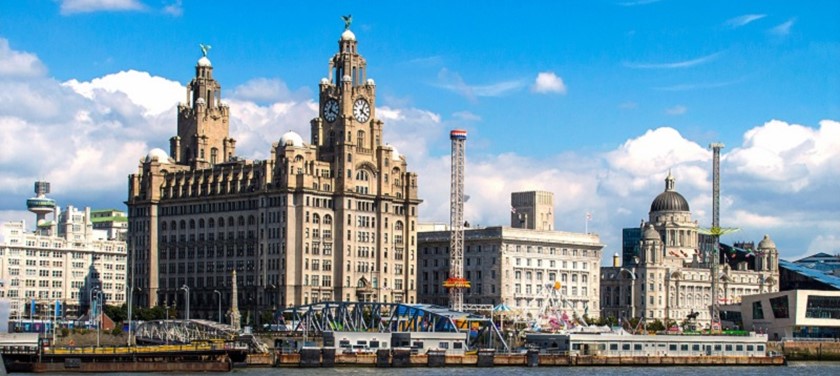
<point>117,313</point>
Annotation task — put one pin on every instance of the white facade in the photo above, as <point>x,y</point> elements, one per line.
<point>794,313</point>
<point>517,267</point>
<point>61,262</point>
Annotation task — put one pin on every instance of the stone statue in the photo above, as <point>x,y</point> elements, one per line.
<point>348,19</point>
<point>205,48</point>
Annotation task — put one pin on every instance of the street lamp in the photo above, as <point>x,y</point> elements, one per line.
<point>219,300</point>
<point>91,311</point>
<point>99,317</point>
<point>187,298</point>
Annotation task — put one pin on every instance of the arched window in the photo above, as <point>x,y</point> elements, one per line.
<point>252,220</point>
<point>230,222</point>
<point>211,223</point>
<point>362,175</point>
<point>201,223</point>
<point>192,224</point>
<point>327,219</point>
<point>214,155</point>
<point>316,218</point>
<point>183,224</point>
<point>163,226</point>
<point>241,220</point>
<point>173,226</point>
<point>221,222</point>
<point>398,226</point>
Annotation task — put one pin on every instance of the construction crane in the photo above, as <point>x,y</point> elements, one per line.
<point>456,282</point>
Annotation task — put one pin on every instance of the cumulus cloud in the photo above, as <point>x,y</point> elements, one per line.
<point>466,116</point>
<point>548,82</point>
<point>267,90</point>
<point>86,137</point>
<point>88,6</point>
<point>19,64</point>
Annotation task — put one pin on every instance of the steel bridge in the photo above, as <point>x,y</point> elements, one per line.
<point>390,317</point>
<point>187,331</point>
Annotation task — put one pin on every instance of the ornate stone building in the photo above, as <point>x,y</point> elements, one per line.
<point>672,278</point>
<point>332,219</point>
<point>521,266</point>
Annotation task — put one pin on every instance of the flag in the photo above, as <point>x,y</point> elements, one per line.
<point>588,216</point>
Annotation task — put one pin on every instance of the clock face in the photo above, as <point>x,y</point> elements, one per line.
<point>361,110</point>
<point>331,110</point>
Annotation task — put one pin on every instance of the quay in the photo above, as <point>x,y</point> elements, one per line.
<point>397,358</point>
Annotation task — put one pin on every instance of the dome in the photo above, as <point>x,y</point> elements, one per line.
<point>766,243</point>
<point>157,154</point>
<point>204,62</point>
<point>200,101</point>
<point>348,35</point>
<point>670,200</point>
<point>651,233</point>
<point>325,81</point>
<point>291,138</point>
<point>370,82</point>
<point>346,78</point>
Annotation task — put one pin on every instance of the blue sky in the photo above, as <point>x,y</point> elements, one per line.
<point>594,101</point>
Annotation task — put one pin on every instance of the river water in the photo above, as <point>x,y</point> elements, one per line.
<point>794,368</point>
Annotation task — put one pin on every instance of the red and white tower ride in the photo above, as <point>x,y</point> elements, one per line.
<point>456,281</point>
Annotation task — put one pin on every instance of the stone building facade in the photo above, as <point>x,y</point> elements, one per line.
<point>519,267</point>
<point>672,278</point>
<point>332,219</point>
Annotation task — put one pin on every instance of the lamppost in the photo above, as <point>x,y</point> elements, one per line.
<point>99,317</point>
<point>187,299</point>
<point>219,300</point>
<point>91,310</point>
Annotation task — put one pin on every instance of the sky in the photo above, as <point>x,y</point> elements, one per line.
<point>595,101</point>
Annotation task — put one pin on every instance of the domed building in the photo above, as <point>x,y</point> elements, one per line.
<point>329,218</point>
<point>668,276</point>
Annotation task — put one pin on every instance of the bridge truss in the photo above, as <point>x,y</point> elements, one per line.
<point>187,331</point>
<point>317,318</point>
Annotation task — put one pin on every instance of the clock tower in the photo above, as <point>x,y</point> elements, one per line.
<point>347,121</point>
<point>203,138</point>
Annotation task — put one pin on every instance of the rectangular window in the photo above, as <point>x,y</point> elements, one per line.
<point>779,305</point>
<point>758,312</point>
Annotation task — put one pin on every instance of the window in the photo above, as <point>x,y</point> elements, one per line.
<point>779,305</point>
<point>758,312</point>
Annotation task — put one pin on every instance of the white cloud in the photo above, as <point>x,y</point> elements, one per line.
<point>466,116</point>
<point>676,110</point>
<point>629,105</point>
<point>780,179</point>
<point>175,9</point>
<point>675,65</point>
<point>155,94</point>
<point>453,82</point>
<point>88,6</point>
<point>267,90</point>
<point>19,64</point>
<point>739,21</point>
<point>783,29</point>
<point>548,82</point>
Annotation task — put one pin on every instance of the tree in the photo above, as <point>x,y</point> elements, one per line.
<point>117,313</point>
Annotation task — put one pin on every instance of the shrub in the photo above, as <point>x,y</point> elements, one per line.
<point>65,332</point>
<point>117,331</point>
